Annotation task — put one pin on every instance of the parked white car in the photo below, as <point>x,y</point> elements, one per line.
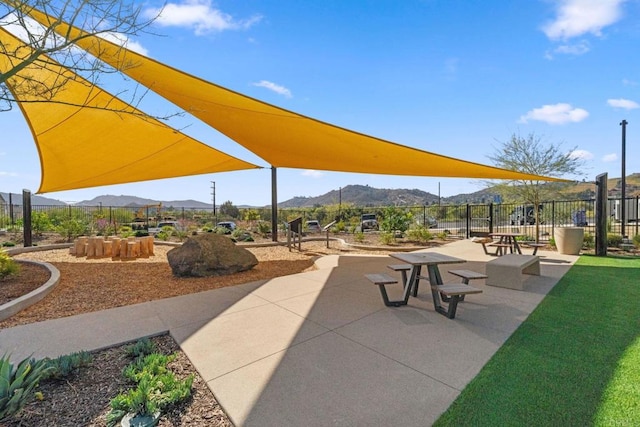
<point>161,224</point>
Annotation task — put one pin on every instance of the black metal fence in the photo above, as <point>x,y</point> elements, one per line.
<point>465,221</point>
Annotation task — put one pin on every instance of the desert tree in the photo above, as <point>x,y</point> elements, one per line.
<point>115,20</point>
<point>533,154</point>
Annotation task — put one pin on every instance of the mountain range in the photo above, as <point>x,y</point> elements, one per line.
<point>359,195</point>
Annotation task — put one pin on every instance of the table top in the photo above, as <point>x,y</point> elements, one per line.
<point>426,258</point>
<point>505,234</point>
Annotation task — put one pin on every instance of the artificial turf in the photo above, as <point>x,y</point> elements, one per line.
<point>575,361</point>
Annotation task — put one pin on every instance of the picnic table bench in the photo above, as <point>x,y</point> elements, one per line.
<point>535,246</point>
<point>455,292</point>
<point>507,271</point>
<point>381,280</point>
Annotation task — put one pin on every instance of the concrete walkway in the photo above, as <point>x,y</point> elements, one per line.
<point>318,348</point>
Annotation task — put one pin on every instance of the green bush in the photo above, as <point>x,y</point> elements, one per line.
<point>387,238</point>
<point>614,240</point>
<point>8,266</point>
<point>636,240</point>
<point>589,241</point>
<point>66,365</point>
<point>17,384</point>
<point>264,228</point>
<point>419,234</point>
<point>141,348</point>
<point>358,236</point>
<point>395,219</point>
<point>8,244</point>
<point>72,228</point>
<point>156,388</point>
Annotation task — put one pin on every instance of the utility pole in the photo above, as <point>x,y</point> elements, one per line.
<point>339,204</point>
<point>213,193</point>
<point>623,195</point>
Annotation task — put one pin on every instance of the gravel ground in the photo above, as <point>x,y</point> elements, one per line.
<point>95,284</point>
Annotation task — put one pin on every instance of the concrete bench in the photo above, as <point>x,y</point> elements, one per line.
<point>381,280</point>
<point>507,271</point>
<point>455,292</point>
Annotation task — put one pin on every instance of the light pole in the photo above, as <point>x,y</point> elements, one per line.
<point>623,194</point>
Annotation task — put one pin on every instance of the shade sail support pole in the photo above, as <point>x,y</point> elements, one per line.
<point>274,204</point>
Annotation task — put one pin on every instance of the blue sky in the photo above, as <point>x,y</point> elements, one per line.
<point>450,77</point>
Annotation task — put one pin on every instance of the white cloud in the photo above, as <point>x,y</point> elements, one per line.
<point>623,103</point>
<point>628,82</point>
<point>124,41</point>
<point>573,49</point>
<point>555,114</point>
<point>312,173</point>
<point>581,154</point>
<point>3,173</point>
<point>610,157</point>
<point>281,90</point>
<point>577,17</point>
<point>199,15</point>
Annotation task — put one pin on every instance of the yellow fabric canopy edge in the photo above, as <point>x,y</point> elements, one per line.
<point>281,137</point>
<point>87,137</point>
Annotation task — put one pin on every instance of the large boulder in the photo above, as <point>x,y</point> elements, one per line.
<point>209,254</point>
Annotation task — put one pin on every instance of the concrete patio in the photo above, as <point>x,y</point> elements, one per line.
<point>318,348</point>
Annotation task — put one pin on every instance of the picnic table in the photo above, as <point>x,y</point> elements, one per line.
<point>432,261</point>
<point>506,241</point>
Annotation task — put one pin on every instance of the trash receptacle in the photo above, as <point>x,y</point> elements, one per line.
<point>580,218</point>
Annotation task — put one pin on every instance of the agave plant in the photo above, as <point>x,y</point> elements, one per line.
<point>17,384</point>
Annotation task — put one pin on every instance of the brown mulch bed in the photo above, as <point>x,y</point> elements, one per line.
<point>83,398</point>
<point>30,277</point>
<point>87,287</point>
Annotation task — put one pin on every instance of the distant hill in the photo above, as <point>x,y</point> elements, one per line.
<point>16,199</point>
<point>359,195</point>
<point>133,201</point>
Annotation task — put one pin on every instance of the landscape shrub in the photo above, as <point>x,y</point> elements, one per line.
<point>66,365</point>
<point>387,238</point>
<point>636,240</point>
<point>395,219</point>
<point>589,241</point>
<point>8,266</point>
<point>156,388</point>
<point>419,234</point>
<point>69,229</point>
<point>613,240</point>
<point>18,383</point>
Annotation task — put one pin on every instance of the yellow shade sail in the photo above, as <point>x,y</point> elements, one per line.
<point>274,134</point>
<point>87,137</point>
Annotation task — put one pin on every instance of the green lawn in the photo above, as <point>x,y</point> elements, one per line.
<point>574,362</point>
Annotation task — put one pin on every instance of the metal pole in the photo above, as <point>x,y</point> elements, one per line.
<point>274,204</point>
<point>623,195</point>
<point>213,194</point>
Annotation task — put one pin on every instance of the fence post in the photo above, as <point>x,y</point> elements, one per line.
<point>490,217</point>
<point>468,221</point>
<point>424,215</point>
<point>26,217</point>
<point>553,217</point>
